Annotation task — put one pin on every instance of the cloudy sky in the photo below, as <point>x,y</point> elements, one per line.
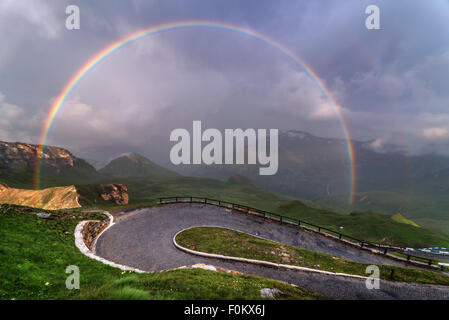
<point>391,85</point>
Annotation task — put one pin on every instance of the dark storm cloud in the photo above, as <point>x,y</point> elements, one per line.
<point>392,85</point>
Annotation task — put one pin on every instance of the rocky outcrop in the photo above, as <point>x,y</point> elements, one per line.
<point>115,193</point>
<point>102,194</point>
<point>17,155</point>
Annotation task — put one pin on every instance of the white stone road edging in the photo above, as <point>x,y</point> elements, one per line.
<point>111,223</point>
<point>258,262</point>
<point>79,242</point>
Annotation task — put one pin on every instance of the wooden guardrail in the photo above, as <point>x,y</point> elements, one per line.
<point>298,222</point>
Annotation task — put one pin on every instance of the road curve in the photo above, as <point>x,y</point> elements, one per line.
<point>144,239</point>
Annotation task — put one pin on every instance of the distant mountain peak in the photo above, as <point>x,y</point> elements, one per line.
<point>135,165</point>
<point>134,157</point>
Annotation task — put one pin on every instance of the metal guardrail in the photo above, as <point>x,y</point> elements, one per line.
<point>297,222</point>
<point>438,255</point>
<point>436,250</point>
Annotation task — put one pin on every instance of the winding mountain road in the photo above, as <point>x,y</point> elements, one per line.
<point>144,239</point>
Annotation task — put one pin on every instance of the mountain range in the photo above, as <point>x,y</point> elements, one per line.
<point>313,169</point>
<point>317,170</point>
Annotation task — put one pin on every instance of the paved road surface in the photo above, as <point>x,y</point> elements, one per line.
<point>143,239</point>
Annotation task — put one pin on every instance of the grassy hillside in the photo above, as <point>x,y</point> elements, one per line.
<point>428,210</point>
<point>34,254</point>
<point>401,219</point>
<point>370,226</point>
<point>143,191</point>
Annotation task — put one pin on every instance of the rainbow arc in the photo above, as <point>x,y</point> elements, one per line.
<point>114,47</point>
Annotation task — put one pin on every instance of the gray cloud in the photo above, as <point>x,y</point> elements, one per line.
<point>391,85</point>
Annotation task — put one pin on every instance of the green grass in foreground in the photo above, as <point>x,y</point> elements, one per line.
<point>34,254</point>
<point>193,284</point>
<point>237,244</point>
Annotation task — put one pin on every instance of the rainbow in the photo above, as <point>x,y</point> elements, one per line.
<point>110,49</point>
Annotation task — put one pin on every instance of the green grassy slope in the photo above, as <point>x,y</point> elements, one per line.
<point>401,219</point>
<point>192,284</point>
<point>144,191</point>
<point>370,226</point>
<point>426,209</point>
<point>34,254</point>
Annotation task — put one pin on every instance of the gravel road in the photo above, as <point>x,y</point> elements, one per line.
<point>143,239</point>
